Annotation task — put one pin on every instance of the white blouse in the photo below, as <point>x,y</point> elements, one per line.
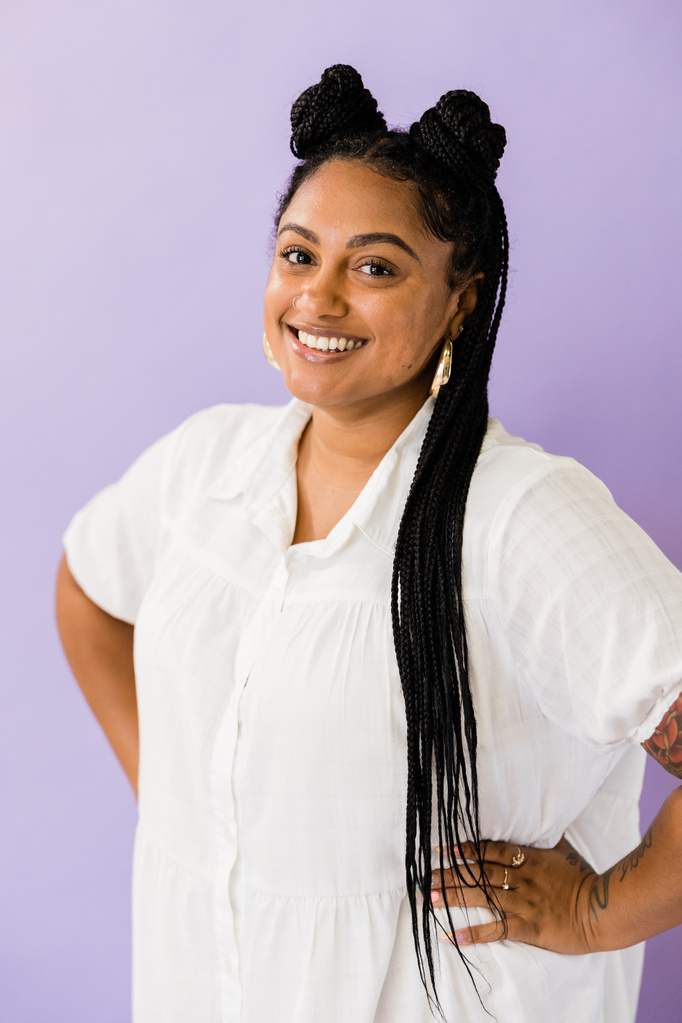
<point>269,878</point>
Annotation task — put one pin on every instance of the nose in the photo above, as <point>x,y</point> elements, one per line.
<point>322,295</point>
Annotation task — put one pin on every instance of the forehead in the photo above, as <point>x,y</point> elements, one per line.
<point>348,197</point>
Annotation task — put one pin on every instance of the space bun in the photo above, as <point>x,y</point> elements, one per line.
<point>459,134</point>
<point>339,105</point>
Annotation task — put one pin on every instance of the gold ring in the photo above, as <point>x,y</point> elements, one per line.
<point>505,884</point>
<point>519,858</point>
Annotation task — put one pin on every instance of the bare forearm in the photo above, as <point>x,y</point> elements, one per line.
<point>642,894</point>
<point>99,649</point>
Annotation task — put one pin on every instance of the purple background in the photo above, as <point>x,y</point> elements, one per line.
<point>142,146</point>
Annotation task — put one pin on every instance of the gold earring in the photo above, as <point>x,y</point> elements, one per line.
<point>268,352</point>
<point>444,366</point>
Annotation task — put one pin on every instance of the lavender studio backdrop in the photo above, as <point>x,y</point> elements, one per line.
<point>142,146</point>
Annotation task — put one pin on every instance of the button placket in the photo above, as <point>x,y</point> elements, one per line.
<point>224,794</point>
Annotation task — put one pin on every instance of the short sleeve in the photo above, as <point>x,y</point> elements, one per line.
<point>591,608</point>
<point>111,544</point>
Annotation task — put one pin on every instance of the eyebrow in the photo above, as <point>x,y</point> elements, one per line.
<point>360,240</point>
<point>303,231</point>
<point>357,241</point>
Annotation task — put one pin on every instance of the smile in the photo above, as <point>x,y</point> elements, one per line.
<point>327,343</point>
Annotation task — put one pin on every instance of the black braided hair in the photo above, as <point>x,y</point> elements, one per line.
<point>338,105</point>
<point>451,155</point>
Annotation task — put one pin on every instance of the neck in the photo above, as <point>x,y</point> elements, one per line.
<point>346,444</point>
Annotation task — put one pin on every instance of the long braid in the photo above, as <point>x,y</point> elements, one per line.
<point>452,155</point>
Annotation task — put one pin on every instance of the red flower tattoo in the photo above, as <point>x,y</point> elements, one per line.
<point>665,745</point>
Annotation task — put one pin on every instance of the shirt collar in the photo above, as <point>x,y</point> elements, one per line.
<point>379,508</point>
<point>264,473</point>
<point>262,466</point>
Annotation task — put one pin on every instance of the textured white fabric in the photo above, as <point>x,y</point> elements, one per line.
<point>268,875</point>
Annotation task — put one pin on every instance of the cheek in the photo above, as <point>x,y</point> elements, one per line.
<point>277,295</point>
<point>415,336</point>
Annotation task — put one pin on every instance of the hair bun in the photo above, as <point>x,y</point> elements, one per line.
<point>458,132</point>
<point>338,105</point>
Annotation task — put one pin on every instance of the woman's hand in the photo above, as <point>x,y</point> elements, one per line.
<point>554,899</point>
<point>546,896</point>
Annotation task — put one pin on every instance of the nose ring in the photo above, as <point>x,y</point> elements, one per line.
<point>294,303</point>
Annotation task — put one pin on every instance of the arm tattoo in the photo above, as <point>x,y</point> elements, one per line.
<point>630,861</point>
<point>665,745</point>
<point>576,860</point>
<point>599,892</point>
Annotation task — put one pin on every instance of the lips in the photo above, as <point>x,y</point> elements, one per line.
<point>327,342</point>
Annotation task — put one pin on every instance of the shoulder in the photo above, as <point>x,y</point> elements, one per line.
<point>528,510</point>
<point>545,522</point>
<point>224,429</point>
<point>202,448</point>
<point>516,479</point>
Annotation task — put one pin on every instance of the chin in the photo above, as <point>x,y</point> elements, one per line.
<point>314,391</point>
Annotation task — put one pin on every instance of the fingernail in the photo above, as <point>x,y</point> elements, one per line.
<point>435,897</point>
<point>461,937</point>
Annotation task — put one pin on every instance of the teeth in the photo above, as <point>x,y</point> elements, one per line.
<point>328,344</point>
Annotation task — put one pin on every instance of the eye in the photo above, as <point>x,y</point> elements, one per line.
<point>375,268</point>
<point>296,256</point>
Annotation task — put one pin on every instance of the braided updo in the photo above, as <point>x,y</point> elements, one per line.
<point>459,133</point>
<point>338,105</point>
<point>451,155</point>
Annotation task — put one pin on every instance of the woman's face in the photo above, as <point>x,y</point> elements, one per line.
<point>367,277</point>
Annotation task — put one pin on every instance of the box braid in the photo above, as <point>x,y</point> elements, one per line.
<point>451,155</point>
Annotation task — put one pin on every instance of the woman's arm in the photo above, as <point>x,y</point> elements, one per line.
<point>557,901</point>
<point>99,649</point>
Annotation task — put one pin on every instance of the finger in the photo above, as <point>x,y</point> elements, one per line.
<point>496,876</point>
<point>469,880</point>
<point>466,873</point>
<point>505,853</point>
<point>502,882</point>
<point>464,898</point>
<point>512,928</point>
<point>478,935</point>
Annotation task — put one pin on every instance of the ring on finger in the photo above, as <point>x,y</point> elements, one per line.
<point>519,857</point>
<point>505,884</point>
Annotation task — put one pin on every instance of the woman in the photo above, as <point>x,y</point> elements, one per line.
<point>343,684</point>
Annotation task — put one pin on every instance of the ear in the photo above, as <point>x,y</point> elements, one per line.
<point>466,303</point>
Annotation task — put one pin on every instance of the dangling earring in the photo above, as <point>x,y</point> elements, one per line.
<point>443,372</point>
<point>444,366</point>
<point>268,352</point>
